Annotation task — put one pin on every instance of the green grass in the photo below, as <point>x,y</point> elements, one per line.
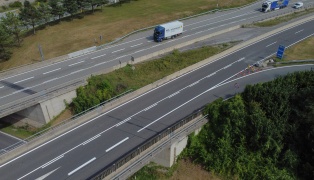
<point>151,71</point>
<point>285,18</point>
<point>21,132</point>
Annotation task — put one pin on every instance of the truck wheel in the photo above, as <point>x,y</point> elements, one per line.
<point>160,40</point>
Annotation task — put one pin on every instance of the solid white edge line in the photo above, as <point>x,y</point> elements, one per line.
<point>81,166</point>
<point>109,149</point>
<point>151,91</point>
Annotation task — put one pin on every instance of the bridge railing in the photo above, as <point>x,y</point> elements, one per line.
<point>31,100</point>
<point>59,125</point>
<point>106,171</point>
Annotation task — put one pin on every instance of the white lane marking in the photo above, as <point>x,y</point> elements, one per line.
<point>227,66</point>
<point>300,40</point>
<point>122,141</point>
<point>271,44</point>
<point>52,161</point>
<point>49,80</point>
<point>91,139</point>
<point>28,173</point>
<point>241,59</point>
<point>98,56</point>
<point>11,136</point>
<point>52,71</point>
<point>150,41</point>
<point>76,63</point>
<point>136,45</point>
<point>1,87</point>
<point>23,80</point>
<point>77,71</point>
<point>139,51</point>
<point>299,31</point>
<point>117,50</point>
<point>117,107</point>
<point>46,175</point>
<point>224,20</point>
<point>81,166</point>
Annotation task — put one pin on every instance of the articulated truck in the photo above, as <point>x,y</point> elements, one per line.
<point>272,5</point>
<point>168,30</point>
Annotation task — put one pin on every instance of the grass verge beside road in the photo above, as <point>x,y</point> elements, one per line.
<point>111,23</point>
<point>284,18</point>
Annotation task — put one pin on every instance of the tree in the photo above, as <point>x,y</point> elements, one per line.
<point>71,6</point>
<point>83,5</point>
<point>5,41</point>
<point>57,8</point>
<point>12,24</point>
<point>45,12</point>
<point>30,15</point>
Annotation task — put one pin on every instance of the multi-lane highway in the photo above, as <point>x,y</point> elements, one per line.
<point>18,86</point>
<point>99,142</point>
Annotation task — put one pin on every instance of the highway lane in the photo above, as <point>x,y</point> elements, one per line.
<point>97,143</point>
<point>27,83</point>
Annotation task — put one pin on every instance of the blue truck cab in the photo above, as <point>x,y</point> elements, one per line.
<point>159,33</point>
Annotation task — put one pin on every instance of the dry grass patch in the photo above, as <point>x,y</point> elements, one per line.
<point>111,23</point>
<point>301,51</point>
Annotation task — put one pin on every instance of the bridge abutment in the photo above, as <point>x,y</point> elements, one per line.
<point>45,111</point>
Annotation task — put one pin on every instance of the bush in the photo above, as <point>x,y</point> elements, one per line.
<point>16,4</point>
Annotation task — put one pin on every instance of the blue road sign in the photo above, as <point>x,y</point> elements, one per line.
<point>281,50</point>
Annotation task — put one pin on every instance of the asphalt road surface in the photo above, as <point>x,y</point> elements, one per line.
<point>89,147</point>
<point>16,87</point>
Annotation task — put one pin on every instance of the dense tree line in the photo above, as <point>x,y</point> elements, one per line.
<point>31,15</point>
<point>267,132</point>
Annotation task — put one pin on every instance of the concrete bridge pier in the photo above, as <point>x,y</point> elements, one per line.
<point>45,111</point>
<point>168,156</point>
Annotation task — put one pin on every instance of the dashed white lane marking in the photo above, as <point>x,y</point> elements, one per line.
<point>117,144</point>
<point>98,56</point>
<point>1,87</point>
<point>136,45</point>
<point>49,80</point>
<point>76,63</point>
<point>52,71</point>
<point>23,80</point>
<point>299,31</point>
<point>81,166</point>
<point>271,44</point>
<point>117,50</point>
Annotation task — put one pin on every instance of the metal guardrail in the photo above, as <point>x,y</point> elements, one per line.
<point>145,145</point>
<point>147,157</point>
<point>59,125</point>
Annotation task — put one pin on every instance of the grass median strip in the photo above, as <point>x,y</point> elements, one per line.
<point>282,19</point>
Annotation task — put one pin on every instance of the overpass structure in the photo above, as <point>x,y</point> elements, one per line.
<point>88,147</point>
<point>40,90</point>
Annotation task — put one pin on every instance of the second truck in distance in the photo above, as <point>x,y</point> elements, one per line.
<point>168,30</point>
<point>272,5</point>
